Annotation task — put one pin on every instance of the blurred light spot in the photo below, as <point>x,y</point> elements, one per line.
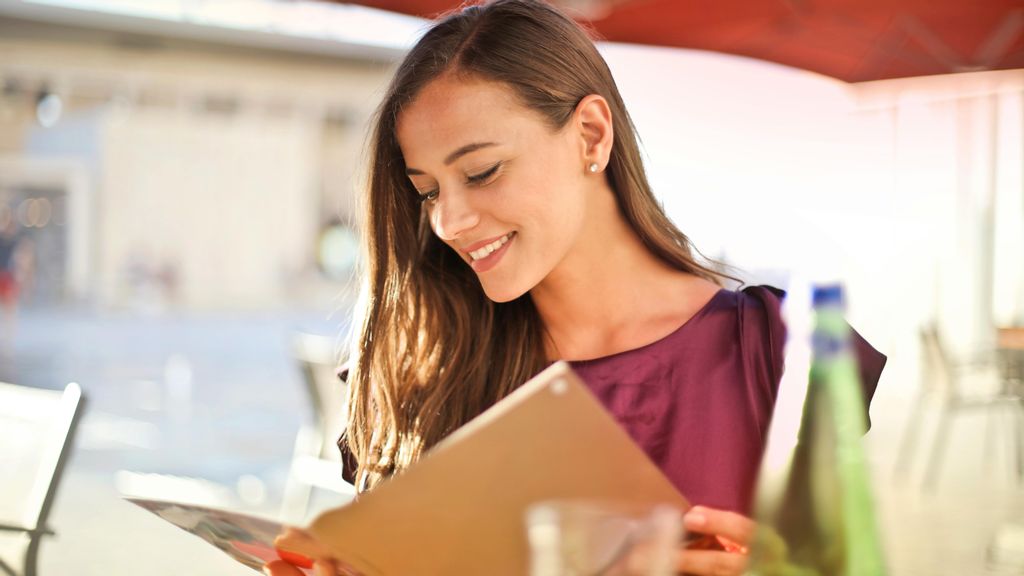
<point>251,490</point>
<point>23,213</point>
<point>48,109</point>
<point>339,250</point>
<point>37,212</point>
<point>32,214</point>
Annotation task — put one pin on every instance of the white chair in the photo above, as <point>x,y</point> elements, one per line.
<point>37,430</point>
<point>955,384</point>
<point>316,462</point>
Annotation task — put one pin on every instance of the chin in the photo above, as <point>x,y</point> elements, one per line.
<point>503,293</point>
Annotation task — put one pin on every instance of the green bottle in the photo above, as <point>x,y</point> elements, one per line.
<point>814,506</point>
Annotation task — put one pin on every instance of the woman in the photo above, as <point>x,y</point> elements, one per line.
<point>509,223</point>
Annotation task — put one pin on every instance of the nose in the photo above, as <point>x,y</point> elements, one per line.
<point>452,215</point>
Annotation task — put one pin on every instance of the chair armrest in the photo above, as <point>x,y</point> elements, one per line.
<point>33,531</point>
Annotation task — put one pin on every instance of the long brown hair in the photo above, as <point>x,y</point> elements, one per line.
<point>431,351</point>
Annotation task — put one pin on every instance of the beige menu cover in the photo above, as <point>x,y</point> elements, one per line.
<point>460,509</point>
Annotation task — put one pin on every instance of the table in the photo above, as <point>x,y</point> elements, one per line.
<point>1010,351</point>
<point>1010,338</point>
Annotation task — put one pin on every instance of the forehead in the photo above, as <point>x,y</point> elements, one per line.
<point>451,112</point>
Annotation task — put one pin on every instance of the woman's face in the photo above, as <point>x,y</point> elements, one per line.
<point>501,188</point>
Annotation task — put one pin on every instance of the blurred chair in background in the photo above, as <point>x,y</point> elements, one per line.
<point>981,382</point>
<point>37,429</point>
<point>316,462</point>
<point>1011,357</point>
<point>1005,553</point>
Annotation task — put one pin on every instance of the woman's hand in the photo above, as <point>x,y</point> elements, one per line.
<point>323,564</point>
<point>733,531</point>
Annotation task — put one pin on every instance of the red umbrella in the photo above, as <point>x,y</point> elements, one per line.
<point>853,40</point>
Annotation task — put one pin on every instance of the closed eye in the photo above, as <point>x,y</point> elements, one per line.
<point>473,180</point>
<point>429,195</point>
<point>484,176</point>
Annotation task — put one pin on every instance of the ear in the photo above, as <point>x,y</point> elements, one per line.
<point>593,119</point>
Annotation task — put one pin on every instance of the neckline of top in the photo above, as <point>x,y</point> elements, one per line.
<point>688,322</point>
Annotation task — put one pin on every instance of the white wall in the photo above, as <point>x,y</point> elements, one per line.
<point>231,204</point>
<point>230,200</point>
<point>888,184</point>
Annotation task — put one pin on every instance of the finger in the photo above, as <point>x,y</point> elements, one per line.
<point>733,526</point>
<point>291,534</point>
<point>281,568</point>
<point>707,563</point>
<point>300,541</point>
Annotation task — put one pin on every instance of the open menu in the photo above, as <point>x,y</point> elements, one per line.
<point>247,539</point>
<point>460,509</point>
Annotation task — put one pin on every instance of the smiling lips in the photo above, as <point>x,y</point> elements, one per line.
<point>487,256</point>
<point>487,250</point>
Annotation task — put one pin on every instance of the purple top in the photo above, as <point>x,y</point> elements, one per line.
<point>699,400</point>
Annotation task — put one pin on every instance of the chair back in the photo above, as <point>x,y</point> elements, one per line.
<point>938,367</point>
<point>37,427</point>
<point>317,357</point>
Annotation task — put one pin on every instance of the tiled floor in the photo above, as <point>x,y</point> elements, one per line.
<point>216,398</point>
<point>208,404</point>
<point>946,528</point>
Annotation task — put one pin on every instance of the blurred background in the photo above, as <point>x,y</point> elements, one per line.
<point>178,184</point>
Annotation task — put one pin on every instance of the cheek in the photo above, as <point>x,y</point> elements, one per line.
<point>555,221</point>
<point>431,218</point>
<point>562,197</point>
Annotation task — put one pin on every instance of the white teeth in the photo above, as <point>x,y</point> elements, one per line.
<point>490,248</point>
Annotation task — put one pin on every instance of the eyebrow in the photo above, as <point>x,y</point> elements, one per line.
<point>455,155</point>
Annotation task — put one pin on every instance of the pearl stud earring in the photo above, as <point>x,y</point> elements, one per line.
<point>593,167</point>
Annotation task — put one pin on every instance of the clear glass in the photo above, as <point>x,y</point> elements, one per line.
<point>596,538</point>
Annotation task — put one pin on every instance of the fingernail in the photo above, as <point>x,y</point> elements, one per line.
<point>695,519</point>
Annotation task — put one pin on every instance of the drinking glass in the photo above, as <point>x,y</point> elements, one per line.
<point>598,538</point>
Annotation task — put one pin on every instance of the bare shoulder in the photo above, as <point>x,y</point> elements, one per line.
<point>696,291</point>
<point>682,297</point>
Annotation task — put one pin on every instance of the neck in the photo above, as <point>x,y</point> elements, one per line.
<point>602,293</point>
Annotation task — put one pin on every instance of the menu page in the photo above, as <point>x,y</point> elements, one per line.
<point>247,539</point>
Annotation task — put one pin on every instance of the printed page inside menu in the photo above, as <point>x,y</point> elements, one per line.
<point>247,539</point>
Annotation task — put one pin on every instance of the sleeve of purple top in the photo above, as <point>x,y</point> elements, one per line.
<point>869,360</point>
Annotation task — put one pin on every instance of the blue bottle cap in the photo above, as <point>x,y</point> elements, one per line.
<point>828,295</point>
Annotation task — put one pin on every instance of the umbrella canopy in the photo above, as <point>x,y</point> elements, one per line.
<point>852,40</point>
